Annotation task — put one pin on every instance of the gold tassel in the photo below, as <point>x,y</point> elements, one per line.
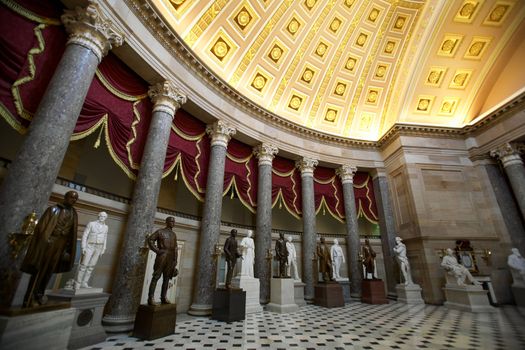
<point>97,142</point>
<point>176,171</point>
<point>231,194</point>
<point>324,211</point>
<point>280,204</point>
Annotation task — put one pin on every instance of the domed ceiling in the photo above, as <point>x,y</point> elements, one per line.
<point>353,68</point>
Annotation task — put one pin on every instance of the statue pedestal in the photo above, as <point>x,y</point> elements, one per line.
<point>282,298</point>
<point>251,286</point>
<point>345,284</point>
<point>155,321</point>
<point>467,298</point>
<point>519,295</point>
<point>373,292</point>
<point>329,294</point>
<point>44,327</point>
<point>89,304</point>
<point>409,294</point>
<point>229,305</point>
<point>299,293</point>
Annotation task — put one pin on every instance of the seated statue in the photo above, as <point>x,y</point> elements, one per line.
<point>516,263</point>
<point>456,270</point>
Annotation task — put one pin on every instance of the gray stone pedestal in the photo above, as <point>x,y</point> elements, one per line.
<point>252,288</point>
<point>282,299</point>
<point>467,298</point>
<point>409,294</point>
<point>37,330</point>
<point>299,293</point>
<point>519,296</point>
<point>345,284</point>
<point>87,324</point>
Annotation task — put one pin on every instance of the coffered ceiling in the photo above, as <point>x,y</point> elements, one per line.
<point>353,68</point>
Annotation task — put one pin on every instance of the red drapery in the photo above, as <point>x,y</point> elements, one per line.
<point>286,186</point>
<point>328,193</point>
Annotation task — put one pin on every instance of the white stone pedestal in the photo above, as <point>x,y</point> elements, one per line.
<point>251,286</point>
<point>467,298</point>
<point>282,299</point>
<point>409,294</point>
<point>299,293</point>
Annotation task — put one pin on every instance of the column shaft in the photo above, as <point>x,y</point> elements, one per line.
<point>263,232</point>
<point>516,174</point>
<point>309,235</point>
<point>353,244</point>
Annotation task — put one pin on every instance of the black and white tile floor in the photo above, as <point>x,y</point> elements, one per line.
<point>355,326</point>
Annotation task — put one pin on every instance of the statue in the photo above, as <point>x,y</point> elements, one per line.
<point>325,261</point>
<point>369,261</point>
<point>52,248</point>
<point>292,259</point>
<point>456,270</point>
<point>400,250</point>
<point>338,258</point>
<point>93,246</point>
<point>516,263</point>
<point>248,255</point>
<point>231,253</point>
<point>282,255</point>
<point>164,243</point>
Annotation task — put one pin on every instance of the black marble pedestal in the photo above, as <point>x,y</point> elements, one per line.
<point>373,292</point>
<point>329,294</point>
<point>155,321</point>
<point>229,305</point>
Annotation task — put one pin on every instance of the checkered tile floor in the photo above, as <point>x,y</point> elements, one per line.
<point>355,326</point>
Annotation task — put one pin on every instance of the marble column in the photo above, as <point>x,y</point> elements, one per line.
<point>509,155</point>
<point>353,245</point>
<point>29,181</point>
<point>127,285</point>
<point>387,228</point>
<point>307,166</point>
<point>263,225</point>
<point>220,134</point>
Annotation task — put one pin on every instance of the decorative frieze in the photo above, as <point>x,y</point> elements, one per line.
<point>306,166</point>
<point>346,173</point>
<point>509,153</point>
<point>265,152</point>
<point>166,97</point>
<point>220,133</point>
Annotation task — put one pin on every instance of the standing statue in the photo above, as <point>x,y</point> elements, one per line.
<point>456,270</point>
<point>338,258</point>
<point>248,255</point>
<point>231,253</point>
<point>282,255</point>
<point>516,263</point>
<point>369,261</point>
<point>292,259</point>
<point>400,250</point>
<point>164,243</point>
<point>93,246</point>
<point>325,261</point>
<point>52,248</point>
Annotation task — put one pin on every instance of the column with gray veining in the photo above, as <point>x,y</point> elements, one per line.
<point>263,231</point>
<point>127,285</point>
<point>29,181</point>
<point>220,134</point>
<point>387,228</point>
<point>509,155</point>
<point>353,245</point>
<point>307,166</point>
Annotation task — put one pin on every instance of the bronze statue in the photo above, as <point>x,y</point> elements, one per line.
<point>164,243</point>
<point>231,253</point>
<point>282,255</point>
<point>325,260</point>
<point>52,248</point>
<point>369,257</point>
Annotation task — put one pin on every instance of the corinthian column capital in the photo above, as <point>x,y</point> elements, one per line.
<point>265,152</point>
<point>306,166</point>
<point>346,172</point>
<point>509,153</point>
<point>220,133</point>
<point>166,97</point>
<point>88,28</point>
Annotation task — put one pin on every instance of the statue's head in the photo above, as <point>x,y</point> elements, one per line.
<point>367,242</point>
<point>170,221</point>
<point>70,198</point>
<point>233,233</point>
<point>102,216</point>
<point>336,242</point>
<point>398,239</point>
<point>250,233</point>
<point>449,251</point>
<point>322,239</point>
<point>289,238</point>
<point>281,235</point>
<point>515,251</point>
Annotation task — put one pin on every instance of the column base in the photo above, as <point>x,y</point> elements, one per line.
<point>118,324</point>
<point>200,310</point>
<point>299,293</point>
<point>409,294</point>
<point>373,292</point>
<point>155,321</point>
<point>467,298</point>
<point>329,294</point>
<point>229,305</point>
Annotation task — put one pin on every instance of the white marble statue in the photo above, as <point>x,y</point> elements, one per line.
<point>247,247</point>
<point>292,259</point>
<point>338,258</point>
<point>456,270</point>
<point>93,246</point>
<point>516,263</point>
<point>400,250</point>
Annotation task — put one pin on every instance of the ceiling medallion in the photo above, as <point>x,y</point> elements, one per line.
<point>340,88</point>
<point>361,39</point>
<point>449,45</point>
<point>310,4</point>
<point>372,16</point>
<point>295,102</point>
<point>222,47</point>
<point>477,47</point>
<point>335,25</point>
<point>467,11</point>
<point>389,47</point>
<point>424,104</point>
<point>372,96</point>
<point>293,26</point>
<point>349,3</point>
<point>308,75</point>
<point>276,53</point>
<point>351,63</point>
<point>259,82</point>
<point>498,13</point>
<point>460,79</point>
<point>330,115</point>
<point>380,72</point>
<point>400,22</point>
<point>435,76</point>
<point>321,49</point>
<point>448,106</point>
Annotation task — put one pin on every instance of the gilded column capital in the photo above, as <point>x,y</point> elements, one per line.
<point>509,153</point>
<point>346,173</point>
<point>166,97</point>
<point>265,152</point>
<point>88,28</point>
<point>306,166</point>
<point>220,133</point>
